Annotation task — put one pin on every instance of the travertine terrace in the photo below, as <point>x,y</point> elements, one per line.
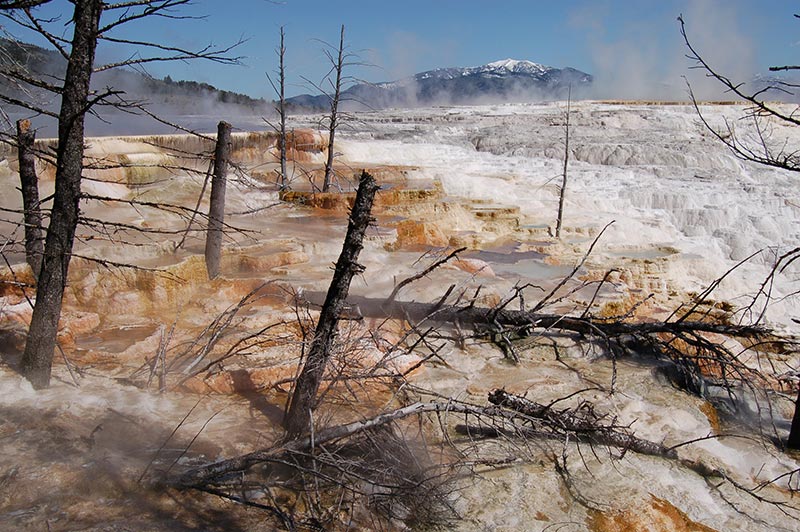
<point>485,178</point>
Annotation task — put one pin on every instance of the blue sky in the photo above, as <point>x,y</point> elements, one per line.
<point>624,43</point>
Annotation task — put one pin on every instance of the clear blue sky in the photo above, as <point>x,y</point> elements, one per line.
<point>610,39</point>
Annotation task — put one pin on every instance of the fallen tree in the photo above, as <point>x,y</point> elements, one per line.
<point>582,421</point>
<point>510,418</point>
<point>689,345</point>
<point>482,317</point>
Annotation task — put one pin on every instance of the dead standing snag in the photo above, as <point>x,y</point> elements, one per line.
<point>338,66</point>
<point>216,212</point>
<point>29,184</point>
<point>563,190</point>
<point>39,348</point>
<point>303,400</point>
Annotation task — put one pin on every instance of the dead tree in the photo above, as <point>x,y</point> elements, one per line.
<point>29,185</point>
<point>303,401</point>
<point>338,66</point>
<point>212,471</point>
<point>583,421</point>
<point>510,419</point>
<point>282,110</point>
<point>216,210</point>
<point>77,99</point>
<point>794,434</point>
<point>563,190</point>
<point>760,148</point>
<point>38,357</point>
<point>280,90</point>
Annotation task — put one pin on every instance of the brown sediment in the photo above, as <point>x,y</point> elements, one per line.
<point>395,189</point>
<point>473,266</point>
<point>417,234</point>
<point>302,145</point>
<point>240,380</point>
<point>659,515</point>
<point>628,305</point>
<point>712,415</point>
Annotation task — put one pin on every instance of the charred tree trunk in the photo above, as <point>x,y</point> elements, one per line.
<point>38,357</point>
<point>794,433</point>
<point>564,177</point>
<point>326,183</point>
<point>216,211</point>
<point>29,184</point>
<point>282,110</point>
<point>303,402</point>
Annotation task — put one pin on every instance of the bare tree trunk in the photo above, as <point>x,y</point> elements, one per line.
<point>298,418</point>
<point>282,110</point>
<point>794,433</point>
<point>326,184</point>
<point>29,185</point>
<point>38,357</point>
<point>216,211</point>
<point>566,160</point>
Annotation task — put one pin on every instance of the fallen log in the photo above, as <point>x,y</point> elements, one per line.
<point>505,416</point>
<point>483,317</point>
<point>501,419</point>
<point>698,359</point>
<point>208,473</point>
<point>583,422</point>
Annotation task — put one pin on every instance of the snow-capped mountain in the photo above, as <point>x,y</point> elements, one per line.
<point>498,68</point>
<point>513,65</point>
<point>508,80</point>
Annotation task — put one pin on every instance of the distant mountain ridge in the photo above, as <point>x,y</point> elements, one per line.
<point>168,98</point>
<point>508,80</point>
